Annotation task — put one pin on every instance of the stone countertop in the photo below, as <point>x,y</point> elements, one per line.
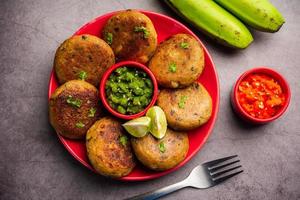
<point>34,165</point>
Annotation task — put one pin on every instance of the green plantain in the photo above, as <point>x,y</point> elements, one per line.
<point>259,14</point>
<point>214,21</point>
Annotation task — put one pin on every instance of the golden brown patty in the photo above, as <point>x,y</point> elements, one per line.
<point>178,61</point>
<point>73,108</point>
<point>109,149</point>
<point>161,154</point>
<point>83,53</point>
<point>131,35</point>
<point>186,108</point>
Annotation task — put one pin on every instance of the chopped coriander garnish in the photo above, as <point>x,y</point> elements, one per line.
<point>92,112</point>
<point>172,67</point>
<point>109,38</point>
<point>182,101</point>
<point>82,75</point>
<point>184,45</point>
<point>74,102</point>
<point>123,140</point>
<point>162,147</point>
<point>142,29</point>
<point>84,37</point>
<point>80,125</point>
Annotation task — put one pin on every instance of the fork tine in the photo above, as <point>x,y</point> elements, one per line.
<point>215,162</point>
<point>213,169</point>
<point>224,171</point>
<point>222,179</point>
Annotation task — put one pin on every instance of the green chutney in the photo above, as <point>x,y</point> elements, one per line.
<point>129,90</point>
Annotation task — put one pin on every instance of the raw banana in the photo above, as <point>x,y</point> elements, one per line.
<point>259,14</point>
<point>213,20</point>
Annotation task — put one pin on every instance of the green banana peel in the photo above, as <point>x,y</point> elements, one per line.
<point>214,21</point>
<point>259,14</point>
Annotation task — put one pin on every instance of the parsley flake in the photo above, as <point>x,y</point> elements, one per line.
<point>109,38</point>
<point>80,125</point>
<point>184,45</point>
<point>172,67</point>
<point>162,147</point>
<point>73,102</point>
<point>142,29</point>
<point>182,101</point>
<point>123,140</point>
<point>82,75</point>
<point>92,112</point>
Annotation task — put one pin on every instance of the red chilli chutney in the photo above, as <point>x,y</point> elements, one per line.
<point>260,96</point>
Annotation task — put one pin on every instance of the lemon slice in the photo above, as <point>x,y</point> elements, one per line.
<point>138,127</point>
<point>158,125</point>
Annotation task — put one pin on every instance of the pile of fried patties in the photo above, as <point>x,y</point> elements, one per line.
<point>76,111</point>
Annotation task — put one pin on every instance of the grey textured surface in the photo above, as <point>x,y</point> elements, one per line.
<point>34,165</point>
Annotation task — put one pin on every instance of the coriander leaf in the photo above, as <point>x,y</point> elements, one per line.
<point>82,75</point>
<point>123,140</point>
<point>80,125</point>
<point>182,101</point>
<point>162,147</point>
<point>84,37</point>
<point>142,29</point>
<point>109,38</point>
<point>73,102</point>
<point>172,67</point>
<point>92,112</point>
<point>184,45</point>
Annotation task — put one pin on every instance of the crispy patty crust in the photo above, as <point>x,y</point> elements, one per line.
<point>161,154</point>
<point>186,108</point>
<point>83,57</point>
<point>73,108</point>
<point>109,149</point>
<point>178,61</point>
<point>131,35</point>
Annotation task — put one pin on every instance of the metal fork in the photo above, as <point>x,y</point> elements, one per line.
<point>203,176</point>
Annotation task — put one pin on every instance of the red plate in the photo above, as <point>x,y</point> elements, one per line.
<point>165,27</point>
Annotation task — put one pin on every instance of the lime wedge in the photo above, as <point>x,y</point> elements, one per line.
<point>158,125</point>
<point>138,127</point>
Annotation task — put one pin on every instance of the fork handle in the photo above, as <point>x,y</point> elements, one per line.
<point>155,194</point>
